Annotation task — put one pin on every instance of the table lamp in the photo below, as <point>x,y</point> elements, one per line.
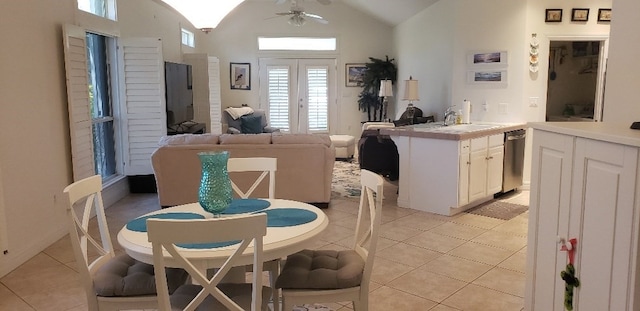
<point>410,94</point>
<point>386,90</point>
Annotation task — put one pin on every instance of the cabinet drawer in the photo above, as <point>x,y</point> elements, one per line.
<point>479,143</point>
<point>465,146</point>
<point>496,140</point>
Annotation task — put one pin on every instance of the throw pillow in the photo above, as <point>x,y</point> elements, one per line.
<point>251,124</point>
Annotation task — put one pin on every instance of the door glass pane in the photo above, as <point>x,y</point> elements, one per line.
<point>318,98</point>
<point>278,97</point>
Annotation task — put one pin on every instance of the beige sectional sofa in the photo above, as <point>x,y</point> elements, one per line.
<point>305,165</point>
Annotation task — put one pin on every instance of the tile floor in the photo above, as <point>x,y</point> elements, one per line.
<point>424,261</point>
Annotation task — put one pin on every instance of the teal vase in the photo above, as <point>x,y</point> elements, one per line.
<point>215,192</point>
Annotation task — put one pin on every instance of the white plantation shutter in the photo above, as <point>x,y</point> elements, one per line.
<point>215,100</point>
<point>318,98</point>
<point>75,56</point>
<point>278,89</point>
<point>142,102</point>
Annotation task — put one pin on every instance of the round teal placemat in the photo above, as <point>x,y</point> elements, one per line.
<point>241,206</point>
<point>287,217</point>
<point>140,224</point>
<point>208,245</point>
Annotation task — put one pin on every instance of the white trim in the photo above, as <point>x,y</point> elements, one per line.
<point>4,241</point>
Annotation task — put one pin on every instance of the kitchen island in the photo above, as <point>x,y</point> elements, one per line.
<point>448,169</point>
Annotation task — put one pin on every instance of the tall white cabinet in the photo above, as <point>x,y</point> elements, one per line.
<point>584,186</point>
<point>207,104</point>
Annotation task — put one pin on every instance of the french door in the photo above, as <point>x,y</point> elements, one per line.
<point>298,93</point>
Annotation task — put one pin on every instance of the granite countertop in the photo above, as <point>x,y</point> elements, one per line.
<point>452,132</point>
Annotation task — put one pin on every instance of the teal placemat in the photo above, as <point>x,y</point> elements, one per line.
<point>208,245</point>
<point>240,206</point>
<point>287,217</point>
<point>140,224</point>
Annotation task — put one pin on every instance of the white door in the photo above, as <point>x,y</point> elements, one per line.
<point>297,94</point>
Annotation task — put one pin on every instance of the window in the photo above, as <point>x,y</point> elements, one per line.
<point>103,8</point>
<point>278,93</point>
<point>100,103</point>
<point>188,38</point>
<point>296,44</point>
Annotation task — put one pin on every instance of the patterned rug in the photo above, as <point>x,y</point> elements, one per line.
<point>499,209</point>
<point>313,307</point>
<point>346,179</point>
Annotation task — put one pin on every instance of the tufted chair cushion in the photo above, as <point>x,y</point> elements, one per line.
<point>125,276</point>
<point>321,269</point>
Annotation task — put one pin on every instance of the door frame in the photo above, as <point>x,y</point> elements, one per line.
<point>598,103</point>
<point>333,85</point>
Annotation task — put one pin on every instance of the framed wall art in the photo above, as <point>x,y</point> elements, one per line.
<point>354,74</point>
<point>489,76</point>
<point>579,15</point>
<point>553,15</point>
<point>604,15</point>
<point>240,76</point>
<point>487,58</point>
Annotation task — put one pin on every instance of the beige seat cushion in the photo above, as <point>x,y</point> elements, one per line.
<point>321,269</point>
<point>124,276</point>
<point>240,293</point>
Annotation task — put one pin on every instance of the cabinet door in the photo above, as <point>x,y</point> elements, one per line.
<point>551,168</point>
<point>495,162</point>
<point>463,176</point>
<point>477,174</point>
<point>602,218</point>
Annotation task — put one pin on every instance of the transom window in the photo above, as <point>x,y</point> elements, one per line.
<point>103,8</point>
<point>296,44</point>
<point>188,38</point>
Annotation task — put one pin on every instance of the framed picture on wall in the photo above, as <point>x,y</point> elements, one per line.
<point>604,15</point>
<point>491,76</point>
<point>487,58</point>
<point>354,74</point>
<point>240,76</point>
<point>579,15</point>
<point>553,15</point>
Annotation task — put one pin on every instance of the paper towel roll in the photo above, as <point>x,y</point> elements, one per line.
<point>466,112</point>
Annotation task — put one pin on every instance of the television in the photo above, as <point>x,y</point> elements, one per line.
<point>179,94</point>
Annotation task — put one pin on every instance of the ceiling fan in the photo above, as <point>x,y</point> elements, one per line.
<point>297,15</point>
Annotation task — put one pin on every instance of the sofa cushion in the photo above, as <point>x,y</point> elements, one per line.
<point>251,124</point>
<point>256,139</point>
<point>189,139</point>
<point>286,138</point>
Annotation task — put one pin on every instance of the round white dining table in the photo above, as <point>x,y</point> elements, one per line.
<point>279,242</point>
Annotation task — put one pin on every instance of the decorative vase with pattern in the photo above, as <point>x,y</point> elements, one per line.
<point>215,192</point>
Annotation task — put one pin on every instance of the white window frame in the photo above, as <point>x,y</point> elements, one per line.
<point>325,44</point>
<point>111,8</point>
<point>187,38</point>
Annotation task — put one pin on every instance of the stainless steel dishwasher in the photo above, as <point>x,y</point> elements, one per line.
<point>514,142</point>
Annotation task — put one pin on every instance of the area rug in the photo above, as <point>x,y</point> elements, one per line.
<point>346,179</point>
<point>499,209</point>
<point>313,307</point>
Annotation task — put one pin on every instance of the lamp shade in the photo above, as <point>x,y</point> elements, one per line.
<point>386,88</point>
<point>204,14</point>
<point>411,90</point>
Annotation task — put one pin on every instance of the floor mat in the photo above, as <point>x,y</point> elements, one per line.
<point>499,209</point>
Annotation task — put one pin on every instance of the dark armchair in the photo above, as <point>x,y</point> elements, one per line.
<point>253,123</point>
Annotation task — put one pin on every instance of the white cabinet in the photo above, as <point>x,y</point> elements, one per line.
<point>463,176</point>
<point>583,186</point>
<point>205,72</point>
<point>484,169</point>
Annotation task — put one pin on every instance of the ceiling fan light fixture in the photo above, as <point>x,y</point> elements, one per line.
<point>297,20</point>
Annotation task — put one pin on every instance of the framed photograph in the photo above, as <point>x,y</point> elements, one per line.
<point>494,76</point>
<point>240,76</point>
<point>487,58</point>
<point>553,15</point>
<point>354,74</point>
<point>579,15</point>
<point>604,15</point>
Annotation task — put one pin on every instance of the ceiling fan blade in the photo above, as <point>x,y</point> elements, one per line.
<point>325,2</point>
<point>284,13</point>
<point>316,18</point>
<point>281,1</point>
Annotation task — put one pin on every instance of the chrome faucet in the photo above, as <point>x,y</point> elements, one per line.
<point>447,116</point>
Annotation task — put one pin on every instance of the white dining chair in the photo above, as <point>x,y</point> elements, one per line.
<point>266,166</point>
<point>110,282</point>
<point>321,276</point>
<point>208,293</point>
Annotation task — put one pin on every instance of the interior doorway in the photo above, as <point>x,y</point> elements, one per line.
<point>575,83</point>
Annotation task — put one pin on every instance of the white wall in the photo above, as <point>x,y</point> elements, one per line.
<point>359,37</point>
<point>34,136</point>
<point>621,96</point>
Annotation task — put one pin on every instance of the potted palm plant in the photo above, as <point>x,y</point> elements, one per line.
<point>368,100</point>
